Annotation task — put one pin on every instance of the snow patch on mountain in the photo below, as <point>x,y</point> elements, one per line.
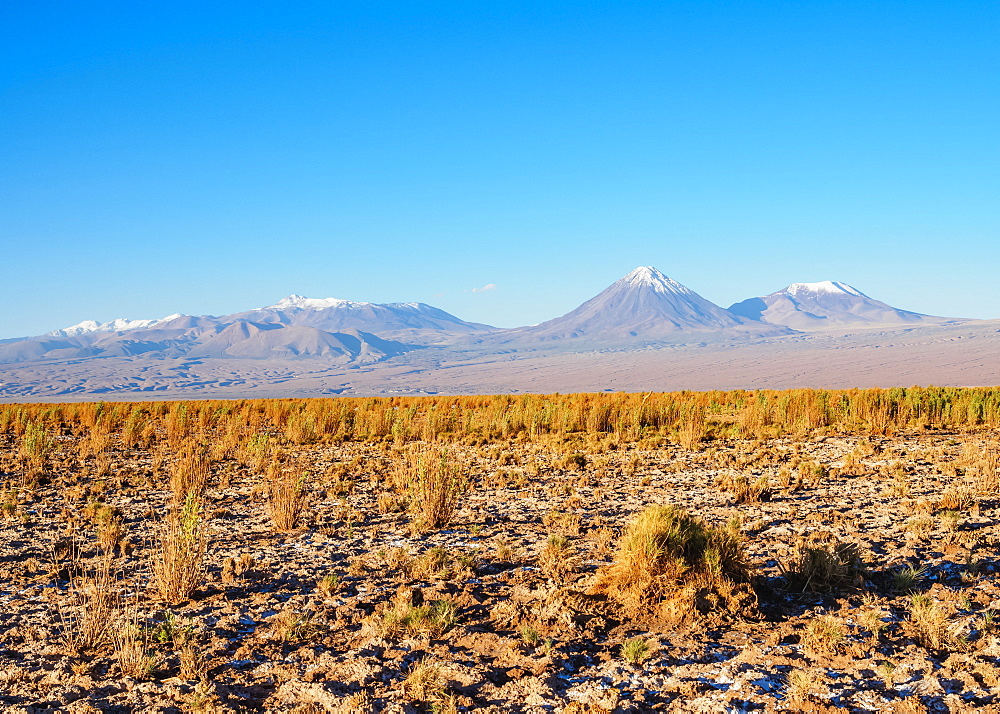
<point>304,303</point>
<point>647,276</point>
<point>120,324</point>
<point>830,287</point>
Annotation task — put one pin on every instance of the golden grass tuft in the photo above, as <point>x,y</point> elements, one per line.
<point>822,564</point>
<point>675,566</point>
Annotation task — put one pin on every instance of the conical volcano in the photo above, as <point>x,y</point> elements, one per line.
<point>645,304</point>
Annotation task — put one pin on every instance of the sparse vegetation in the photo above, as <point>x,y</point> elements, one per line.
<point>301,542</point>
<point>558,558</point>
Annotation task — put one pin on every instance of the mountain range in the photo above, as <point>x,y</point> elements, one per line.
<point>641,311</point>
<point>642,307</point>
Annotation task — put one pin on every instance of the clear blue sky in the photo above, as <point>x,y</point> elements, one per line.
<point>160,157</point>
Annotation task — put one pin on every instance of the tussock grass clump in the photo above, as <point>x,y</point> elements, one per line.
<point>292,626</point>
<point>931,625</point>
<point>94,603</point>
<point>745,490</point>
<point>133,647</point>
<point>558,558</point>
<point>674,565</point>
<point>823,635</point>
<point>404,617</point>
<point>636,651</point>
<point>823,564</point>
<point>426,682</point>
<point>190,472</point>
<point>907,578</point>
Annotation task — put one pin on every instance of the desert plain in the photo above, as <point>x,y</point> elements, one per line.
<point>807,550</point>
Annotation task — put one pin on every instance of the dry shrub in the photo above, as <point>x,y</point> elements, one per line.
<point>233,569</point>
<point>189,473</point>
<point>389,502</point>
<point>957,499</point>
<point>133,647</point>
<point>110,532</point>
<point>674,565</point>
<point>504,550</point>
<point>692,431</point>
<point>811,473</point>
<point>822,563</point>
<point>135,431</point>
<point>287,498</point>
<point>572,462</point>
<point>179,561</point>
<point>562,521</point>
<point>435,484</point>
<point>94,604</point>
<point>982,463</point>
<point>603,538</point>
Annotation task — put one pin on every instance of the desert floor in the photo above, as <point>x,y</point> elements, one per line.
<point>351,610</point>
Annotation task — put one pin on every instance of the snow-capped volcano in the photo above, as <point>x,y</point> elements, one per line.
<point>645,304</point>
<point>825,305</point>
<point>121,324</point>
<point>647,276</point>
<point>413,322</point>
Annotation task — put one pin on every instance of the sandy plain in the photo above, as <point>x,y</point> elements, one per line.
<point>966,354</point>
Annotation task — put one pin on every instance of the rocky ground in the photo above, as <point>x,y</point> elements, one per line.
<point>352,610</point>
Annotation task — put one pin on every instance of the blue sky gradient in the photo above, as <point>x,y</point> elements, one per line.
<point>213,157</point>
